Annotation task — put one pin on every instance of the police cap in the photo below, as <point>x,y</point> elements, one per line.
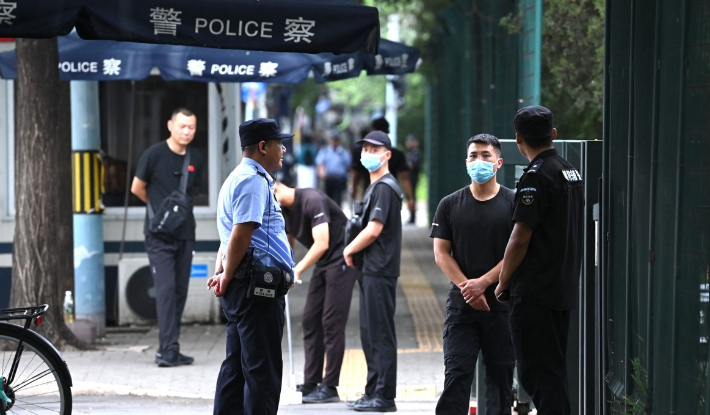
<point>260,129</point>
<point>534,122</point>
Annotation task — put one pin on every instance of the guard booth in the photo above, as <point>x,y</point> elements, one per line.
<point>586,156</point>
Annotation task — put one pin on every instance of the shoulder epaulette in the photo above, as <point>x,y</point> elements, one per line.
<point>536,166</point>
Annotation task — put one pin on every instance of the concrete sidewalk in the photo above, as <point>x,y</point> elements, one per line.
<point>126,365</point>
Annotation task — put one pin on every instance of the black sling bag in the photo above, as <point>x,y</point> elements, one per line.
<point>167,222</point>
<point>354,225</point>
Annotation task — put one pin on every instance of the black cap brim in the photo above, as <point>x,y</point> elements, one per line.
<point>371,141</point>
<point>284,136</point>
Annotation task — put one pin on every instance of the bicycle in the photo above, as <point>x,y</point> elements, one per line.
<point>33,377</point>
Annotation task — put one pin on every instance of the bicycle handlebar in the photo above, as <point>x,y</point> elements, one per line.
<point>22,313</point>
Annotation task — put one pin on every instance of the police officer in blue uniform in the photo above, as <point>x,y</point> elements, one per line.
<point>252,235</point>
<point>542,262</point>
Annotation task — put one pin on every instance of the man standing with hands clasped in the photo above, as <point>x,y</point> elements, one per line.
<point>540,273</point>
<point>381,243</point>
<point>253,238</point>
<point>470,229</point>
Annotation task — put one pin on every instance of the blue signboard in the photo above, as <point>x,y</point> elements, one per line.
<point>198,271</point>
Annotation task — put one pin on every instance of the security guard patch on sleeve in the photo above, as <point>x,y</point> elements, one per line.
<point>527,195</point>
<point>572,175</point>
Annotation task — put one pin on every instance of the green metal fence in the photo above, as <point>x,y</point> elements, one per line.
<point>475,88</point>
<point>656,206</point>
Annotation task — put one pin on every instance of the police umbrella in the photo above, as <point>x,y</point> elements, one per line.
<point>111,60</point>
<point>105,60</point>
<point>311,26</point>
<point>392,58</point>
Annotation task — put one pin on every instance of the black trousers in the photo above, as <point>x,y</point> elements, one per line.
<point>334,188</point>
<point>324,318</point>
<point>249,380</point>
<point>377,334</point>
<point>466,332</point>
<point>540,340</point>
<point>170,264</point>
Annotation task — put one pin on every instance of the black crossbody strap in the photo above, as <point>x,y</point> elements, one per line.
<point>392,183</point>
<point>389,181</point>
<point>185,166</point>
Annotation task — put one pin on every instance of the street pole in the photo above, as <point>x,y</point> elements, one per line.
<point>89,285</point>
<point>391,98</point>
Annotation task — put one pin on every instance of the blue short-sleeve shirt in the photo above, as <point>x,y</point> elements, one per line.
<point>248,196</point>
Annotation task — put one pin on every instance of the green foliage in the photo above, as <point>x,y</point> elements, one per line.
<point>636,403</point>
<point>572,56</point>
<point>411,116</point>
<point>365,91</point>
<point>573,65</point>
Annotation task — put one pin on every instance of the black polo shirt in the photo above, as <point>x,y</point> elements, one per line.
<point>311,208</point>
<point>550,199</point>
<point>478,232</point>
<point>161,168</point>
<point>382,257</point>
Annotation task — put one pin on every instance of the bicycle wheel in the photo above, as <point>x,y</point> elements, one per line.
<point>42,384</point>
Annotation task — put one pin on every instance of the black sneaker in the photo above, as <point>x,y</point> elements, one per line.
<point>376,404</point>
<point>352,404</point>
<point>323,394</point>
<point>167,359</point>
<point>306,388</point>
<point>185,360</point>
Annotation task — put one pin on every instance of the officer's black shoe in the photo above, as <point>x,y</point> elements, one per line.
<point>351,404</point>
<point>306,388</point>
<point>323,394</point>
<point>167,359</point>
<point>376,404</point>
<point>185,360</point>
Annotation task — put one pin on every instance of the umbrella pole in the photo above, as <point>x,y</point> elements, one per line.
<point>131,125</point>
<point>290,396</point>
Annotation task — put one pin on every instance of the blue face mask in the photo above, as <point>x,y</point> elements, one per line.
<point>371,161</point>
<point>481,171</point>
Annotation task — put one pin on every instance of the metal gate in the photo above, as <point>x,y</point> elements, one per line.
<point>656,207</point>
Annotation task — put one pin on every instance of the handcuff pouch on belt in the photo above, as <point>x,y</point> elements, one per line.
<point>265,283</point>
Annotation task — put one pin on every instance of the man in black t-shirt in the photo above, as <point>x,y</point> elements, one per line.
<point>543,261</point>
<point>381,243</point>
<point>158,174</point>
<point>471,228</point>
<point>316,221</point>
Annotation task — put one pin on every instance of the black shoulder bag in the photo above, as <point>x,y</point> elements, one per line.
<point>166,222</point>
<point>354,225</point>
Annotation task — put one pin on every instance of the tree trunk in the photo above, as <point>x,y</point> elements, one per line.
<point>42,260</point>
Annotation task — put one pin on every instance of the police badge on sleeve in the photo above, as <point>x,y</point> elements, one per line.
<point>527,195</point>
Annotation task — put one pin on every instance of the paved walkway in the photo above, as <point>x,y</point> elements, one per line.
<point>126,365</point>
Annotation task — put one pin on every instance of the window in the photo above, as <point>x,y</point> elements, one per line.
<point>155,101</point>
